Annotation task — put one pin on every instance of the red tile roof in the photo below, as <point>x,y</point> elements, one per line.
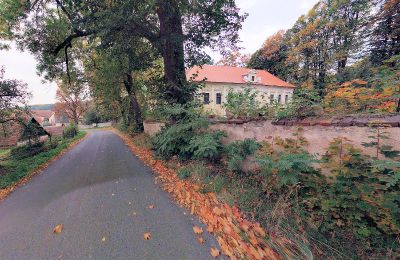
<point>226,74</point>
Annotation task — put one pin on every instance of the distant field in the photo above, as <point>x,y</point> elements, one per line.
<point>42,107</point>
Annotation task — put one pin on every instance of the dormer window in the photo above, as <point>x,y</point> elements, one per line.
<point>251,77</point>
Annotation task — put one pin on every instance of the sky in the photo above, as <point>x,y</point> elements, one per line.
<point>265,18</point>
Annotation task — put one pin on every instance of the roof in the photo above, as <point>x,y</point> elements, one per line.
<point>42,113</point>
<point>235,75</point>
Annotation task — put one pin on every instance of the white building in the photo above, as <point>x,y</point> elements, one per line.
<point>219,80</point>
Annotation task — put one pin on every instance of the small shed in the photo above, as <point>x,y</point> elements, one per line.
<point>33,131</point>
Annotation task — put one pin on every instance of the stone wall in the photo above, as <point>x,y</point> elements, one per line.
<point>152,127</point>
<point>319,133</point>
<point>318,136</point>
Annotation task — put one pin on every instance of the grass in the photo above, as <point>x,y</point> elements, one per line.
<point>4,153</point>
<point>17,169</point>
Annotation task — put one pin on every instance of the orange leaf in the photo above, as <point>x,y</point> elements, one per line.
<point>197,230</point>
<point>201,240</point>
<point>147,236</point>
<point>58,229</point>
<point>151,206</point>
<point>214,252</point>
<point>217,211</point>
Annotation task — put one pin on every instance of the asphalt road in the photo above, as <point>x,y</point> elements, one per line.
<point>97,190</point>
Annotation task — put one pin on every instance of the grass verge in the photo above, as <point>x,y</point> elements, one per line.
<point>19,171</point>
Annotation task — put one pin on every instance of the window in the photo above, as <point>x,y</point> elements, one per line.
<point>218,98</point>
<point>206,98</point>
<point>271,99</point>
<point>286,99</point>
<point>253,78</point>
<point>279,98</point>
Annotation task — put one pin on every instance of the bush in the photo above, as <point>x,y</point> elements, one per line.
<point>245,104</point>
<point>206,146</point>
<point>26,151</point>
<point>184,173</point>
<point>305,103</point>
<point>186,135</point>
<point>364,197</point>
<point>238,151</point>
<point>71,131</point>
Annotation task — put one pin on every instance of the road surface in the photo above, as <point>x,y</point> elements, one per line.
<point>100,193</point>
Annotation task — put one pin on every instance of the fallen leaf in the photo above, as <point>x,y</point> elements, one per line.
<point>151,206</point>
<point>103,239</point>
<point>147,236</point>
<point>58,229</point>
<point>201,240</point>
<point>214,252</point>
<point>197,230</point>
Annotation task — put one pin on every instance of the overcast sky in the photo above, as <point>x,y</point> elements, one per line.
<point>265,18</point>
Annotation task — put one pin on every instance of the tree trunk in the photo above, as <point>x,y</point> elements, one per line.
<point>171,36</point>
<point>137,112</point>
<point>342,64</point>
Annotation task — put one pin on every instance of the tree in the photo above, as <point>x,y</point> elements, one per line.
<point>234,59</point>
<point>272,55</point>
<point>385,41</point>
<point>319,44</point>
<point>53,27</point>
<point>13,97</point>
<point>112,71</point>
<point>71,98</point>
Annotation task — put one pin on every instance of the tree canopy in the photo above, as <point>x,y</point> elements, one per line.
<point>13,97</point>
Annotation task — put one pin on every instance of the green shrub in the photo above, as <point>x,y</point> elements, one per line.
<point>206,146</point>
<point>184,173</point>
<point>238,151</point>
<point>305,103</point>
<point>70,131</point>
<point>26,151</point>
<point>363,198</point>
<point>187,135</point>
<point>287,169</point>
<point>245,104</point>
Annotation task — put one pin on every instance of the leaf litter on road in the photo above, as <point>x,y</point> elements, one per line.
<point>197,230</point>
<point>214,252</point>
<point>226,222</point>
<point>57,229</point>
<point>147,236</point>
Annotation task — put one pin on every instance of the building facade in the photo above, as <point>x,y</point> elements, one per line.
<point>220,80</point>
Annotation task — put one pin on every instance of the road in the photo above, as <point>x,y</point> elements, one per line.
<point>100,192</point>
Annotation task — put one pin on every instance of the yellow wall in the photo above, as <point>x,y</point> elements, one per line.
<point>263,91</point>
